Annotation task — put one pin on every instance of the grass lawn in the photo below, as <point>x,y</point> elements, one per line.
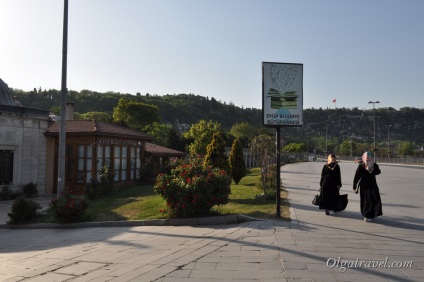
<point>142,203</point>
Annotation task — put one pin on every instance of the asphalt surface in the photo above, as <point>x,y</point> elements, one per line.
<point>312,247</point>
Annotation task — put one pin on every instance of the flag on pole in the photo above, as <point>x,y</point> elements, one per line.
<point>334,101</point>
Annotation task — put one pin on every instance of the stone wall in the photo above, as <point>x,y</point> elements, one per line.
<point>25,136</point>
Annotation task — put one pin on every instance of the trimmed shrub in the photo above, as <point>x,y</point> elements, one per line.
<point>236,160</point>
<point>5,192</point>
<point>192,190</point>
<point>68,207</point>
<point>23,210</point>
<point>30,189</point>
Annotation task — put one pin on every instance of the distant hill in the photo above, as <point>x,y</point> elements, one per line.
<point>340,124</point>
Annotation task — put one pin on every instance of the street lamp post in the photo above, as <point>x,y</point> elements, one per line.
<point>373,105</point>
<point>388,141</point>
<point>326,142</point>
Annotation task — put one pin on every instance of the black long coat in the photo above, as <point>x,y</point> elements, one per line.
<point>330,179</point>
<point>369,192</point>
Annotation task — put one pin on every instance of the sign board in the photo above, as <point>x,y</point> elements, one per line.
<point>282,94</point>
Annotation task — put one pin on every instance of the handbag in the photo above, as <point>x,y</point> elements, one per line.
<point>317,199</point>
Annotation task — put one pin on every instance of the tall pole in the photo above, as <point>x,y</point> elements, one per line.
<point>62,128</point>
<point>278,200</point>
<point>388,141</point>
<point>373,105</point>
<point>326,142</point>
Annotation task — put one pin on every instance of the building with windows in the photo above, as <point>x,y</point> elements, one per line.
<point>91,145</point>
<point>22,143</point>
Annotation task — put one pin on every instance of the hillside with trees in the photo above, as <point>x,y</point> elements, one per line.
<point>343,131</point>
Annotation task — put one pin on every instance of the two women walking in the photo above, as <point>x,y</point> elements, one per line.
<point>364,181</point>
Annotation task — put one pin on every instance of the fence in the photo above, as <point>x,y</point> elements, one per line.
<point>406,161</point>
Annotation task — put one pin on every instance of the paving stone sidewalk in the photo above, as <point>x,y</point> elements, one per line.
<point>306,249</point>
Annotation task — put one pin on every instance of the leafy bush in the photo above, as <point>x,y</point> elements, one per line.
<point>68,207</point>
<point>30,189</point>
<point>269,180</point>
<point>10,194</point>
<point>5,192</point>
<point>192,190</point>
<point>23,210</point>
<point>91,190</point>
<point>96,188</point>
<point>107,176</point>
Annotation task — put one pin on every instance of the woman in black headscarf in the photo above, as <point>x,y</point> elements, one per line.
<point>369,192</point>
<point>331,182</point>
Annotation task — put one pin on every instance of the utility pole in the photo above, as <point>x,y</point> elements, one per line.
<point>62,128</point>
<point>388,141</point>
<point>373,104</point>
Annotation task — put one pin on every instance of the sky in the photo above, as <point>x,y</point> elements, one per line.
<point>352,51</point>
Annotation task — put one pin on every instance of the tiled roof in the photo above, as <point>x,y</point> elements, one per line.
<point>92,127</point>
<point>157,150</point>
<point>5,95</point>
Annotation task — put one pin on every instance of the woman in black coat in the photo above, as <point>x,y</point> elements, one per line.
<point>330,183</point>
<point>369,192</point>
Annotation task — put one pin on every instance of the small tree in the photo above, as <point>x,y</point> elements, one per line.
<point>135,115</point>
<point>263,149</point>
<point>215,154</point>
<point>237,165</point>
<point>201,133</point>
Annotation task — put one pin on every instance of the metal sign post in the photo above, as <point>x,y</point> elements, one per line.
<point>282,104</point>
<point>278,197</point>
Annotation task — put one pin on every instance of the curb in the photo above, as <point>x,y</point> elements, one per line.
<point>213,220</point>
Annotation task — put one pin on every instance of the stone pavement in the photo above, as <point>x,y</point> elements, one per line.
<point>312,247</point>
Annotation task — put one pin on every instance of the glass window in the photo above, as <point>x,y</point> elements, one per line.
<point>132,163</point>
<point>84,163</point>
<point>124,164</point>
<point>6,167</point>
<point>117,162</point>
<point>88,162</point>
<point>107,156</point>
<point>80,165</point>
<point>138,164</point>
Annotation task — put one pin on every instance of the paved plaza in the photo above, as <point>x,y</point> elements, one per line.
<point>312,247</point>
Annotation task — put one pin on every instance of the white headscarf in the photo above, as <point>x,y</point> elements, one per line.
<point>368,161</point>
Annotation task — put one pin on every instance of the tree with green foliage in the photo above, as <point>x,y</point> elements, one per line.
<point>406,148</point>
<point>135,115</point>
<point>244,131</point>
<point>99,116</point>
<point>346,147</point>
<point>295,148</point>
<point>165,135</point>
<point>215,154</point>
<point>160,131</point>
<point>263,150</point>
<point>201,135</point>
<point>236,160</point>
